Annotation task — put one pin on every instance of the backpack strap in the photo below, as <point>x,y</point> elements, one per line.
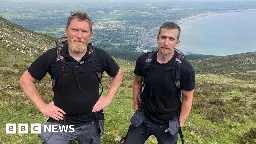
<point>59,59</point>
<point>146,68</point>
<point>178,60</point>
<point>60,44</point>
<point>93,62</point>
<point>95,65</point>
<point>148,62</point>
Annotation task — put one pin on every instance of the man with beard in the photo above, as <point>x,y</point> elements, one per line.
<point>164,76</point>
<point>77,100</point>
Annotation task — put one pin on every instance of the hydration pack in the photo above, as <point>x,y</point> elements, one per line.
<point>58,67</point>
<point>174,68</point>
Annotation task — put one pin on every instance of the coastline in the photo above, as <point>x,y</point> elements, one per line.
<point>199,31</point>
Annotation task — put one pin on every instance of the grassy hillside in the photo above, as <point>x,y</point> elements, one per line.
<point>227,64</point>
<point>15,37</point>
<point>224,101</point>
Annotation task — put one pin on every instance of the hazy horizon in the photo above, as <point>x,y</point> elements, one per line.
<point>123,1</point>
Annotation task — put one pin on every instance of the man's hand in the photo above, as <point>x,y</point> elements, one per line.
<point>102,103</point>
<point>182,124</point>
<point>52,111</point>
<point>136,106</point>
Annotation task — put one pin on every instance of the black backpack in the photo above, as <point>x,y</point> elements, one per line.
<point>58,67</point>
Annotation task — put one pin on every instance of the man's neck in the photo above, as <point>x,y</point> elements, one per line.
<point>162,58</point>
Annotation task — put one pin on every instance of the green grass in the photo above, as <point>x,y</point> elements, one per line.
<point>223,111</point>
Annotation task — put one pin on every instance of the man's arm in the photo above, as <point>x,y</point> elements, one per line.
<point>136,90</point>
<point>187,98</point>
<point>115,84</point>
<point>104,101</point>
<point>26,83</point>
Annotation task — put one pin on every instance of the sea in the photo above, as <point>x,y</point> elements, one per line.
<point>220,33</point>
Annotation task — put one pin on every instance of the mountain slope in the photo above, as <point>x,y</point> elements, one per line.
<point>15,37</point>
<point>227,64</point>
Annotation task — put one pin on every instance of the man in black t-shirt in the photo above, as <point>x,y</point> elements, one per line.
<point>158,108</point>
<point>76,100</point>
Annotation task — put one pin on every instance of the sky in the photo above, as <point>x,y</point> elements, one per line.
<point>120,1</point>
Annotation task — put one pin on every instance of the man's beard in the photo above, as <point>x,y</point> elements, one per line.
<point>165,52</point>
<point>77,47</point>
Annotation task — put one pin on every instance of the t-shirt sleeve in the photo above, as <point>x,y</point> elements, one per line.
<point>140,65</point>
<point>39,68</point>
<point>108,63</point>
<point>187,76</point>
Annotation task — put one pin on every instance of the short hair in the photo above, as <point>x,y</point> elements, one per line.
<point>81,16</point>
<point>170,25</point>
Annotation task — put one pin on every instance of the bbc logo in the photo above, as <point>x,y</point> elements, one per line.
<point>36,128</point>
<point>11,128</point>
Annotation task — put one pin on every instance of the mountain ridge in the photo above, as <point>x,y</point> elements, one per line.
<point>16,37</point>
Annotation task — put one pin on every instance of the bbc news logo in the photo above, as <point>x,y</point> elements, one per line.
<point>36,128</point>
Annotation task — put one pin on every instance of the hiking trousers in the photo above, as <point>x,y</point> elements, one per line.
<point>85,134</point>
<point>141,128</point>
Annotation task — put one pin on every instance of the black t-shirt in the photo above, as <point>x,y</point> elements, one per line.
<point>67,95</point>
<point>160,96</point>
